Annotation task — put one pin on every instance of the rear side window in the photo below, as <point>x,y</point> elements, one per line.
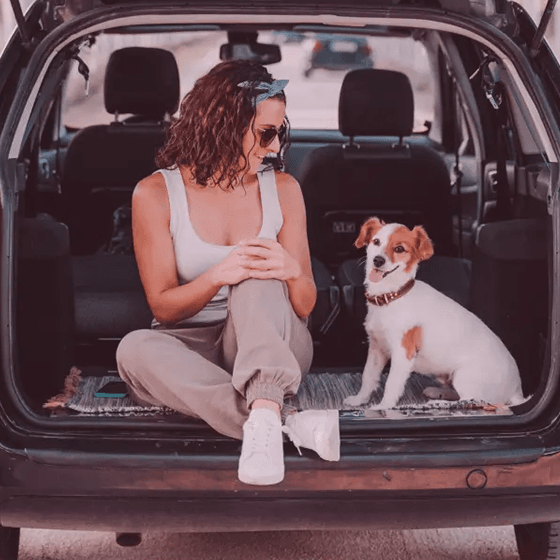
<point>314,63</point>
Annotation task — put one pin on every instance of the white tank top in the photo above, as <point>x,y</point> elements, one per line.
<point>193,256</point>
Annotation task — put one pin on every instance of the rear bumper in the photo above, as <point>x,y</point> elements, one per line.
<point>201,493</point>
<point>352,511</point>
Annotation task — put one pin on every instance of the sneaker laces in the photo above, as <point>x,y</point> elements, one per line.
<point>293,437</point>
<point>258,431</point>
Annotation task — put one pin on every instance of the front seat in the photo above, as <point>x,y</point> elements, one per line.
<point>382,175</point>
<point>105,162</point>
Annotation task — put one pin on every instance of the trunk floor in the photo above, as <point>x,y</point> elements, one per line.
<point>319,390</point>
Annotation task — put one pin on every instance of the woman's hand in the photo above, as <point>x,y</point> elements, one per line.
<point>266,258</point>
<point>232,270</point>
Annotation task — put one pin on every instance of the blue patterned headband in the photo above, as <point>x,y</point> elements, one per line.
<point>268,90</point>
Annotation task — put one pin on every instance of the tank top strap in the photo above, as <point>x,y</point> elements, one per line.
<point>178,202</point>
<point>272,211</point>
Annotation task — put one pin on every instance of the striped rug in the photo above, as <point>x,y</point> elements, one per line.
<point>319,390</point>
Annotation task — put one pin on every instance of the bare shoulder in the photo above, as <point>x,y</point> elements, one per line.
<point>289,191</point>
<point>291,199</point>
<point>151,188</point>
<point>286,182</point>
<point>151,193</point>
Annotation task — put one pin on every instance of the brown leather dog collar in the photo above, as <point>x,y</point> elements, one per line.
<point>384,299</point>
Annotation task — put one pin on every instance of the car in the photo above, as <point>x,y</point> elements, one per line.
<point>339,52</point>
<point>456,128</point>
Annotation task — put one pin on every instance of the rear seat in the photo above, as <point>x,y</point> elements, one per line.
<point>344,185</point>
<point>449,275</point>
<point>510,289</point>
<point>44,306</point>
<point>110,300</point>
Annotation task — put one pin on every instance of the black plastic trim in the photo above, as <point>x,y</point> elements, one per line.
<point>349,512</point>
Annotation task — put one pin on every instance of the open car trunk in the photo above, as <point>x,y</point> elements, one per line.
<point>77,290</point>
<point>508,289</point>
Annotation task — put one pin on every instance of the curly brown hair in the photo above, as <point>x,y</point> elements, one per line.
<point>207,136</point>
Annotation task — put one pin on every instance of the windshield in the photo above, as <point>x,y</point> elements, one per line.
<point>315,65</point>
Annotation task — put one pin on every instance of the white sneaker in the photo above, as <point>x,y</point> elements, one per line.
<point>317,430</point>
<point>262,451</point>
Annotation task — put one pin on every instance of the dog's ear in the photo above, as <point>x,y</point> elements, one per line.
<point>368,230</point>
<point>424,245</point>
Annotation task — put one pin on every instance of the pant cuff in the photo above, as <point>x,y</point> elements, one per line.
<point>269,391</point>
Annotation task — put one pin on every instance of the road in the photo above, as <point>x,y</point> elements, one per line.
<point>443,544</point>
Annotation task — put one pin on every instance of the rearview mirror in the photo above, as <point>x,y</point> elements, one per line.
<point>244,46</point>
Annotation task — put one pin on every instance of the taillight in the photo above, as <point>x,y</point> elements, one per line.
<point>366,49</point>
<point>318,46</point>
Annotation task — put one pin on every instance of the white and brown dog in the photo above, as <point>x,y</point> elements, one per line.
<point>420,329</point>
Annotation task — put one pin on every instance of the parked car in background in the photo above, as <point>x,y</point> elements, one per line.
<point>482,177</point>
<point>339,52</point>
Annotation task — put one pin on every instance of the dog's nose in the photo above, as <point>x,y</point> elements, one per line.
<point>378,261</point>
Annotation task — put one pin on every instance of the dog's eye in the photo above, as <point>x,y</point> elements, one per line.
<point>376,242</point>
<point>399,249</point>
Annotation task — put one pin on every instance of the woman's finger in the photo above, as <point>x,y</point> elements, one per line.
<point>264,274</point>
<point>260,242</point>
<point>263,264</point>
<point>254,251</point>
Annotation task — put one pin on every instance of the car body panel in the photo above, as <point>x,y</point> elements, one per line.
<point>481,8</point>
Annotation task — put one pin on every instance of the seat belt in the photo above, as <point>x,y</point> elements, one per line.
<point>456,186</point>
<point>495,93</point>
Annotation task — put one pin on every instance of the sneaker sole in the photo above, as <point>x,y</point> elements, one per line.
<point>261,481</point>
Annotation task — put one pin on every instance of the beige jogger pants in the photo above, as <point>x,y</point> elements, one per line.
<point>260,351</point>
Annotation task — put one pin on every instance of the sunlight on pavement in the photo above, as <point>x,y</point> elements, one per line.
<point>438,544</point>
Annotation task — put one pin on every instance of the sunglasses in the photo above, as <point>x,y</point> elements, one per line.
<point>267,135</point>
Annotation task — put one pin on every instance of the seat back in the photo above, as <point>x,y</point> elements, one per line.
<point>387,177</point>
<point>510,289</point>
<point>105,162</point>
<point>44,306</point>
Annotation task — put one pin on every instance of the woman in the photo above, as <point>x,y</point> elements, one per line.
<point>221,245</point>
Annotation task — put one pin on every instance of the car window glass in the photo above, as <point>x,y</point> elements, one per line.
<point>314,63</point>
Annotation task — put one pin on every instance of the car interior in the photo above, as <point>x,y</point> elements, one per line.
<point>413,139</point>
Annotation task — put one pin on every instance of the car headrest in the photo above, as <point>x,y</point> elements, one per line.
<point>376,103</point>
<point>142,81</point>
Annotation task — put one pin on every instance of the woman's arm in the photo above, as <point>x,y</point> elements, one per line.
<point>155,256</point>
<point>289,258</point>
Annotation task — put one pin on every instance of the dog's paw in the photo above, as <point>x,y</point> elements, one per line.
<point>377,406</point>
<point>355,400</point>
<point>381,406</point>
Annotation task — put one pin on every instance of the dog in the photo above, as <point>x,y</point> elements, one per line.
<point>420,329</point>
